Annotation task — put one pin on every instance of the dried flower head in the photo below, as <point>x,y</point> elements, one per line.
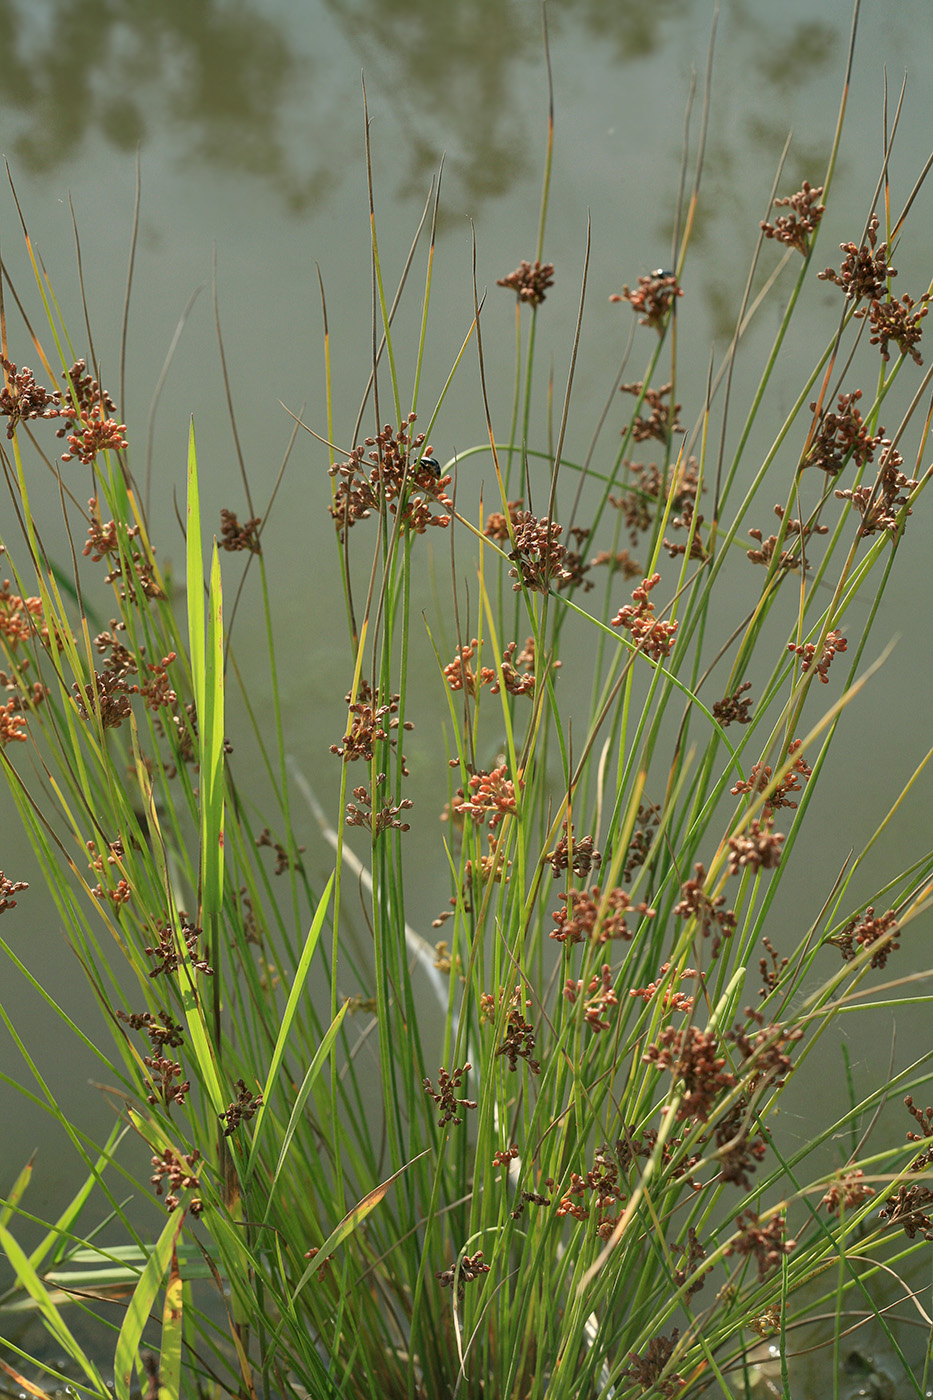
<point>866,931</point>
<point>647,1370</point>
<point>864,273</point>
<point>179,1172</point>
<point>795,228</point>
<point>583,858</point>
<point>599,996</point>
<point>465,1270</point>
<point>709,913</point>
<point>235,537</point>
<point>847,1192</point>
<point>897,321</point>
<point>883,506</point>
<point>445,1097</point>
<point>529,281</point>
<point>653,637</point>
<point>696,1066</point>
<point>590,917</point>
<point>492,795</point>
<point>392,469</point>
<point>86,409</point>
<point>7,889</point>
<point>537,556</point>
<point>768,1243</point>
<point>759,849</point>
<point>662,422</point>
<point>653,298</point>
<point>833,642</point>
<point>732,709</point>
<point>21,398</point>
<point>761,776</point>
<point>835,437</point>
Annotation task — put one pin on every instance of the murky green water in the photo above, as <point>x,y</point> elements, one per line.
<point>248,123</point>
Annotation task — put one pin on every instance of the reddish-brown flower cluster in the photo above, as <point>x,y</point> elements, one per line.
<point>492,795</point>
<point>790,558</point>
<point>759,849</point>
<point>865,932</point>
<point>732,709</point>
<point>445,1096</point>
<point>12,724</point>
<point>847,1193</point>
<point>897,321</point>
<point>283,861</point>
<point>313,1253</point>
<point>640,503</point>
<point>653,298</point>
<point>167,949</point>
<point>235,537</point>
<point>882,506</point>
<point>647,1370</point>
<point>497,524</point>
<point>370,723</point>
<point>21,398</point>
<point>163,1033</point>
<point>768,1243</point>
<point>86,409</point>
<point>600,995</point>
<point>834,642</point>
<point>529,281</point>
<point>575,568</point>
<point>771,968</point>
<point>838,436</point>
<point>360,813</point>
<point>537,556</point>
<point>467,1269</point>
<point>119,892</point>
<point>760,778</point>
<point>692,1255</point>
<point>641,1145</point>
<point>764,1054</point>
<point>459,675</point>
<point>583,858</point>
<point>157,691</point>
<point>15,615</point>
<point>107,699</point>
<point>662,422</point>
<point>169,1085</point>
<point>685,521</point>
<point>795,229</point>
<point>672,1000</point>
<point>653,637</point>
<point>603,1184</point>
<point>590,917</point>
<point>396,473</point>
<point>738,1150</point>
<point>103,543</point>
<point>909,1208</point>
<point>179,1172</point>
<point>692,1057</point>
<point>519,1039</point>
<point>618,563</point>
<point>7,889</point>
<point>864,273</point>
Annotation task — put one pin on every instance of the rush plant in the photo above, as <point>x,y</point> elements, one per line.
<point>538,1151</point>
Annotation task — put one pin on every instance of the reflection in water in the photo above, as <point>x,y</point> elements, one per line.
<point>235,81</point>
<point>124,69</point>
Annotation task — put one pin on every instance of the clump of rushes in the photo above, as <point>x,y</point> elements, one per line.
<point>620,1209</point>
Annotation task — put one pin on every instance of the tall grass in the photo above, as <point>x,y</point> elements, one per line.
<point>542,1156</point>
